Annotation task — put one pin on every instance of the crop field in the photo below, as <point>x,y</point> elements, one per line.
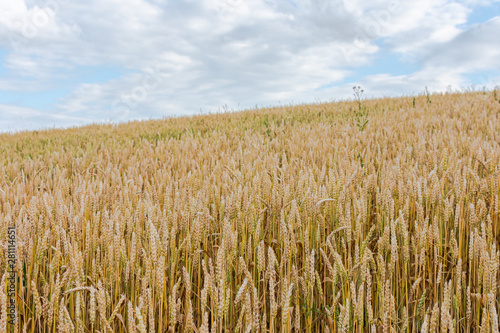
<point>357,216</point>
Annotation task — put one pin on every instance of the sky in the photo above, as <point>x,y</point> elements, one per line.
<point>67,63</point>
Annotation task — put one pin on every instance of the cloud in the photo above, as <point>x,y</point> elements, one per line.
<point>414,83</point>
<point>477,48</point>
<point>14,118</point>
<point>180,56</point>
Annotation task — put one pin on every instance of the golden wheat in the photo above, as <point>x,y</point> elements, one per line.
<point>271,220</point>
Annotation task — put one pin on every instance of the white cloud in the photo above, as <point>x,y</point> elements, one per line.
<point>475,49</point>
<point>15,118</point>
<point>185,55</point>
<point>414,83</point>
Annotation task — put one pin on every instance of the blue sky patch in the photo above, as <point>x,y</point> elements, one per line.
<point>481,14</point>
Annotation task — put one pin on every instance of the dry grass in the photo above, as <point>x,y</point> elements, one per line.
<point>277,220</point>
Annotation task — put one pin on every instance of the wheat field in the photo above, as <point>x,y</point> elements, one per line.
<point>286,219</point>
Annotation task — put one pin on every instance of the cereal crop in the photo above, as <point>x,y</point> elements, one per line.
<point>286,219</point>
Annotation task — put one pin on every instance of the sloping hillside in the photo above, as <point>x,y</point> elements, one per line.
<point>379,215</point>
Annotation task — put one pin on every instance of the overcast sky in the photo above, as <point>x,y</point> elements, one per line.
<point>68,62</point>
